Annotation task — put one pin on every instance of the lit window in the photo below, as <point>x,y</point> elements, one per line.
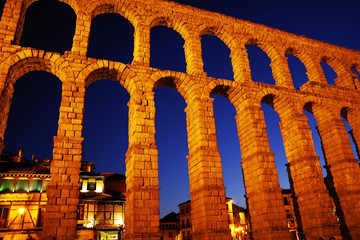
<point>7,184</point>
<point>91,186</point>
<point>4,214</point>
<point>80,212</point>
<point>22,185</point>
<point>35,185</point>
<point>46,181</point>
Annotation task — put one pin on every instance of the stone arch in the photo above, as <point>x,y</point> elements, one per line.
<point>300,54</point>
<point>221,87</point>
<point>110,70</point>
<point>264,44</point>
<point>28,60</point>
<point>238,56</point>
<point>181,82</point>
<point>218,30</point>
<point>308,103</point>
<point>269,96</point>
<point>74,5</point>
<point>278,64</point>
<point>20,63</point>
<point>343,75</point>
<point>356,66</point>
<point>126,10</point>
<point>219,37</point>
<point>303,103</point>
<point>169,20</point>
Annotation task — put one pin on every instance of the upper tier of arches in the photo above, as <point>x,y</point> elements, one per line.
<point>191,24</point>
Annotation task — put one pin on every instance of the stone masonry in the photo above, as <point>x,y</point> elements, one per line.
<point>209,215</point>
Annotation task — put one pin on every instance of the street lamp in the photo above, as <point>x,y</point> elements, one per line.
<point>21,211</point>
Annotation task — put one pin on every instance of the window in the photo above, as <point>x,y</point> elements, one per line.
<point>46,181</point>
<point>182,224</point>
<point>7,185</point>
<point>35,185</point>
<point>22,185</point>
<point>288,214</point>
<point>4,214</point>
<point>40,219</point>
<point>187,223</point>
<point>80,212</point>
<point>91,186</point>
<point>286,201</point>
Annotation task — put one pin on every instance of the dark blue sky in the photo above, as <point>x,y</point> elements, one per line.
<point>33,116</point>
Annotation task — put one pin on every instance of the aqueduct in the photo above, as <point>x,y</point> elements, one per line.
<point>209,215</point>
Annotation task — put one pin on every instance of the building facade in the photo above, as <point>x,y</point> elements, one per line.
<point>23,200</point>
<point>238,221</point>
<point>169,227</point>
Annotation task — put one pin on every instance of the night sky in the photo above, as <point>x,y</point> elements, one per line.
<point>33,117</point>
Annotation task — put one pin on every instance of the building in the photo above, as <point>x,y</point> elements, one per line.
<point>169,227</point>
<point>290,214</point>
<point>238,220</point>
<point>23,199</point>
<point>22,196</point>
<point>237,217</point>
<point>185,220</point>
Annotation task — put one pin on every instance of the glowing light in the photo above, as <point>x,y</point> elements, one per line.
<point>119,222</point>
<point>90,224</point>
<point>21,210</point>
<point>99,186</point>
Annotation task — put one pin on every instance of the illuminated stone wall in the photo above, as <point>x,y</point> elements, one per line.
<point>209,213</point>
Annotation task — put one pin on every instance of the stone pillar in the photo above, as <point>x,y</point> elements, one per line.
<point>81,36</point>
<point>11,21</point>
<point>343,170</point>
<point>142,221</point>
<point>281,72</point>
<point>5,102</point>
<point>240,64</point>
<point>209,215</point>
<point>141,45</point>
<point>344,75</point>
<point>314,70</point>
<point>63,189</point>
<point>263,192</point>
<point>193,55</point>
<point>316,218</point>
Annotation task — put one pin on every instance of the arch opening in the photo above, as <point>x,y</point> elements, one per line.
<point>171,140</point>
<point>46,28</point>
<point>276,142</point>
<point>297,70</point>
<point>349,130</point>
<point>329,73</point>
<point>216,58</point>
<point>260,65</point>
<point>229,147</point>
<point>316,138</point>
<point>2,4</point>
<point>105,130</point>
<point>166,49</point>
<point>34,114</point>
<point>111,38</point>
